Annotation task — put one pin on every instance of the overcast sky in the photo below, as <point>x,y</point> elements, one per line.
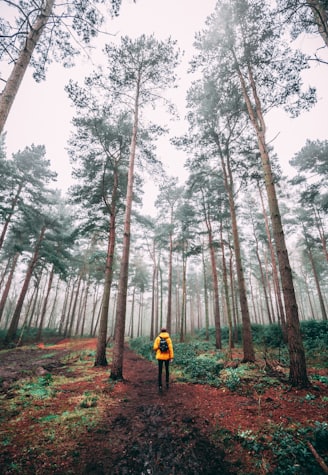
<point>42,112</point>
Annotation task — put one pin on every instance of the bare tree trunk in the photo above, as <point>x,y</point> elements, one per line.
<point>321,232</point>
<point>45,303</point>
<point>207,336</point>
<point>71,317</point>
<point>281,314</point>
<point>321,18</point>
<point>63,312</point>
<point>118,350</point>
<point>184,298</point>
<point>12,208</point>
<point>217,316</point>
<point>10,336</point>
<point>101,359</point>
<point>51,320</point>
<point>298,373</point>
<point>226,287</point>
<point>169,280</point>
<point>8,284</point>
<point>248,349</point>
<point>266,300</point>
<point>317,284</point>
<point>9,93</point>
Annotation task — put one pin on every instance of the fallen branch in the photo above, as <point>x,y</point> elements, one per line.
<point>319,459</point>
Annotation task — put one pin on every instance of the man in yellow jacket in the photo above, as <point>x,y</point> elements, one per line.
<point>164,354</point>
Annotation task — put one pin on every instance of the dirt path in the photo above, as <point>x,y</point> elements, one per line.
<point>150,432</point>
<point>189,429</point>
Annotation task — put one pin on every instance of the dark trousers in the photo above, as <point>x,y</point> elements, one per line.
<point>160,370</point>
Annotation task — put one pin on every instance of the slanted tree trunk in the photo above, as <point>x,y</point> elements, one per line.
<point>321,18</point>
<point>9,93</point>
<point>75,297</point>
<point>298,373</point>
<point>11,212</point>
<point>8,284</point>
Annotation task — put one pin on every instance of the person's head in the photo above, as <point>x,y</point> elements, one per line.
<point>163,330</point>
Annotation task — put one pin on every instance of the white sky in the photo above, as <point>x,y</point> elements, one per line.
<point>42,112</point>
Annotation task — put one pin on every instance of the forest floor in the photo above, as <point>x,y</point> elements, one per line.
<point>60,415</point>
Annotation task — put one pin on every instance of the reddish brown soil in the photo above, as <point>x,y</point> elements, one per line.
<point>141,431</point>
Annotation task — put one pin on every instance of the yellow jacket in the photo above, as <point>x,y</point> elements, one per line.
<point>169,355</point>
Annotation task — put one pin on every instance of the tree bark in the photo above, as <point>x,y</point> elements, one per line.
<point>248,349</point>
<point>45,303</point>
<point>9,93</point>
<point>298,373</point>
<point>8,284</point>
<point>11,212</point>
<point>118,350</point>
<point>101,359</point>
<point>321,18</point>
<point>317,284</point>
<point>11,334</point>
<point>169,279</point>
<point>217,316</point>
<point>281,314</point>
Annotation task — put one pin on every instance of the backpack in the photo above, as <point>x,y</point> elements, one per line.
<point>163,346</point>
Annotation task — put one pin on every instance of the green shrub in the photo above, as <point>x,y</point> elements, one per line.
<point>183,353</point>
<point>143,346</point>
<point>203,369</point>
<point>315,330</point>
<point>232,380</point>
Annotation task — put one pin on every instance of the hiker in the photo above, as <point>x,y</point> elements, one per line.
<point>164,354</point>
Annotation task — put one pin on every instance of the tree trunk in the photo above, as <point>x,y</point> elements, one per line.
<point>9,93</point>
<point>8,284</point>
<point>298,373</point>
<point>11,334</point>
<point>11,212</point>
<point>184,298</point>
<point>169,280</point>
<point>71,316</point>
<point>317,284</point>
<point>207,336</point>
<point>101,359</point>
<point>118,350</point>
<point>321,18</point>
<point>248,349</point>
<point>217,316</point>
<point>276,282</point>
<point>262,279</point>
<point>226,287</point>
<point>45,303</point>
<point>321,231</point>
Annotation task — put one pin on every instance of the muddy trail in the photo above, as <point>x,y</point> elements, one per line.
<point>149,431</point>
<point>60,415</point>
<point>141,430</point>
